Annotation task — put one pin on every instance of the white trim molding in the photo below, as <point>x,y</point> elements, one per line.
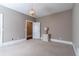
<point>12,42</point>
<point>62,41</point>
<point>1,28</point>
<point>76,50</point>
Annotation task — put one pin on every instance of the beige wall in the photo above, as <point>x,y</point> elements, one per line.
<point>13,24</point>
<point>60,25</point>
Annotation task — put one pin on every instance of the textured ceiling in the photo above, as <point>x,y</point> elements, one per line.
<point>42,9</point>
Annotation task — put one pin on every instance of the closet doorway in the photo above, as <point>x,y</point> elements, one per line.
<point>32,30</point>
<point>29,29</point>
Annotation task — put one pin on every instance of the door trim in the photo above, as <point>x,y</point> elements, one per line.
<point>1,25</point>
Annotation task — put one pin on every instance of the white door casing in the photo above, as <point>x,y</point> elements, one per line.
<point>1,28</point>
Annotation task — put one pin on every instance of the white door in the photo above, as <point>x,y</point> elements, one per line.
<point>1,25</point>
<point>36,30</point>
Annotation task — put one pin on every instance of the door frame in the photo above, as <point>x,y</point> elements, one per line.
<point>26,27</point>
<point>1,37</point>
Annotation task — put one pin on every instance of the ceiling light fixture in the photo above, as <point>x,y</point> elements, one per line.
<point>32,12</point>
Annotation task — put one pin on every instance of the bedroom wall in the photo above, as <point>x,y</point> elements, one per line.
<point>60,25</point>
<point>76,28</point>
<point>14,26</point>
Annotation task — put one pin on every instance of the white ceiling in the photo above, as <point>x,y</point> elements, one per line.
<point>42,9</point>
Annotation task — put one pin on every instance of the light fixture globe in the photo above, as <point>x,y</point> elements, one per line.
<point>32,12</point>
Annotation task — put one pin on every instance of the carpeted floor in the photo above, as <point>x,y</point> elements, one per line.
<point>37,48</point>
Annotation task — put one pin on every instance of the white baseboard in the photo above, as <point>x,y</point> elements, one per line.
<point>76,50</point>
<point>12,42</point>
<point>62,41</point>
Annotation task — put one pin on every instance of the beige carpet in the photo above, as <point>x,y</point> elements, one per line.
<point>37,48</point>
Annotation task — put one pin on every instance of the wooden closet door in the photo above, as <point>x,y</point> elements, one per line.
<point>29,30</point>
